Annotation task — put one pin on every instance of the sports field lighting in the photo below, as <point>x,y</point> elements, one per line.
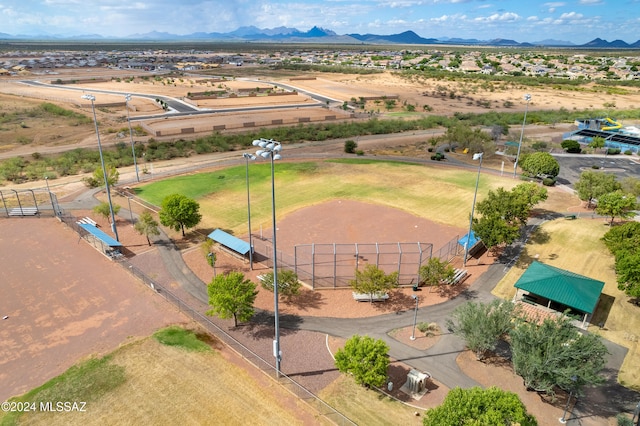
<point>248,157</point>
<point>415,317</point>
<point>127,98</point>
<point>271,149</point>
<point>527,98</point>
<point>104,169</point>
<point>477,156</point>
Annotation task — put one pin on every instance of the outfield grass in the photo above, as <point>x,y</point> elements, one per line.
<point>147,382</point>
<point>439,194</point>
<point>575,245</point>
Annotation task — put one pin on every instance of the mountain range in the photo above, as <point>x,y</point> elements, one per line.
<point>321,35</point>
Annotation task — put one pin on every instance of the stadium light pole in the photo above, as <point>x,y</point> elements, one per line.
<point>527,98</point>
<point>415,317</point>
<point>271,149</point>
<point>477,156</point>
<point>104,170</point>
<point>248,157</point>
<point>127,98</point>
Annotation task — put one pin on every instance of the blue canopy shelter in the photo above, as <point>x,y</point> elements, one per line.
<point>229,241</point>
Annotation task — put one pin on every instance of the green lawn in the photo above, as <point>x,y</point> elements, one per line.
<point>441,195</point>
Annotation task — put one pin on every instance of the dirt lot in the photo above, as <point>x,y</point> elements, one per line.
<point>64,301</point>
<point>441,97</point>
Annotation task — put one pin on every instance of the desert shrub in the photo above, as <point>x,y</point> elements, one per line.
<point>350,146</point>
<point>428,328</point>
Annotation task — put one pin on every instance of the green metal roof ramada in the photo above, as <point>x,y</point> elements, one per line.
<point>573,290</point>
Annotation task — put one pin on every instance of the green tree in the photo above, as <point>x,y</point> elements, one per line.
<point>147,226</point>
<point>179,211</point>
<point>103,210</point>
<point>630,185</point>
<point>503,213</point>
<point>350,146</point>
<point>435,272</point>
<point>477,406</point>
<point>366,359</point>
<point>628,273</point>
<point>624,243</point>
<point>597,142</point>
<point>592,185</point>
<point>554,354</point>
<point>616,204</point>
<point>288,283</point>
<point>539,164</point>
<point>482,325</point>
<point>97,179</point>
<point>232,296</point>
<point>571,146</point>
<point>373,280</point>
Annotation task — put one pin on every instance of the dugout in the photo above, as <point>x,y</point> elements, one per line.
<point>95,236</point>
<point>232,244</point>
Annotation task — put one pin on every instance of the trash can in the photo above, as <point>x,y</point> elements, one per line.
<point>415,287</point>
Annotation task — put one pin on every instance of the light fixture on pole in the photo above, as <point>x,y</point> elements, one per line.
<point>104,169</point>
<point>248,157</point>
<point>477,156</point>
<point>271,149</point>
<point>527,98</point>
<point>415,317</point>
<point>562,419</point>
<point>127,98</point>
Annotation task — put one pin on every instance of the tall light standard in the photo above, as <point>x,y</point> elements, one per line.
<point>248,157</point>
<point>127,98</point>
<point>53,207</point>
<point>477,156</point>
<point>415,317</point>
<point>104,170</point>
<point>527,98</point>
<point>270,148</point>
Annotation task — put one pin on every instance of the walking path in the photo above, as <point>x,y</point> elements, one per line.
<point>440,359</point>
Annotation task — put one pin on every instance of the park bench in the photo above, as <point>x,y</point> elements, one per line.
<point>370,297</point>
<point>458,276</point>
<point>24,211</point>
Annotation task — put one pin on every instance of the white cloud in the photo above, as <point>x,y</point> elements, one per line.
<point>499,17</point>
<point>591,2</point>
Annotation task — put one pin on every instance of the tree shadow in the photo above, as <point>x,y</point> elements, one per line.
<point>397,302</point>
<point>305,300</point>
<point>603,309</point>
<point>261,325</point>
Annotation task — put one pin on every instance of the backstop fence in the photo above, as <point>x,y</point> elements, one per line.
<point>334,265</point>
<point>28,202</point>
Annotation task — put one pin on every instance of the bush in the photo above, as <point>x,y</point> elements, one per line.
<point>628,152</point>
<point>350,146</point>
<point>548,181</point>
<point>438,157</point>
<point>613,151</point>
<point>428,328</point>
<point>623,420</point>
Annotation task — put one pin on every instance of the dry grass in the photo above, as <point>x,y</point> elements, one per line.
<point>169,385</point>
<point>367,407</point>
<point>575,245</point>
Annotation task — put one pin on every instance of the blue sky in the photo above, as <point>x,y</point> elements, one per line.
<point>577,21</point>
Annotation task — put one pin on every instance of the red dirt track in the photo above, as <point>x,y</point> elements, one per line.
<point>64,302</point>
